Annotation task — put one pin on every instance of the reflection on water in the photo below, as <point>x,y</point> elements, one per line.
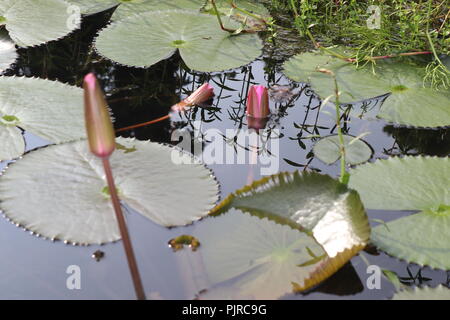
<point>36,268</point>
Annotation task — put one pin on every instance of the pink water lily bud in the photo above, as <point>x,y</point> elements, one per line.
<point>201,95</point>
<point>257,107</point>
<point>100,131</point>
<point>258,102</point>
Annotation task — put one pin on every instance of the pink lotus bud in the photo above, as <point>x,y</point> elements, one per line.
<point>258,102</point>
<point>201,95</point>
<point>257,107</point>
<point>100,131</point>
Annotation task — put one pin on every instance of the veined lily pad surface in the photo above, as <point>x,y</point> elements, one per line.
<point>48,109</point>
<point>411,101</point>
<point>34,22</point>
<point>67,197</point>
<point>149,37</point>
<point>284,233</point>
<point>356,150</point>
<point>130,8</point>
<point>410,183</point>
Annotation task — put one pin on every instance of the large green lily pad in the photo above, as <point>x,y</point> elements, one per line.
<point>410,183</point>
<point>49,109</point>
<point>422,238</point>
<point>411,102</point>
<point>66,195</point>
<point>150,37</point>
<point>353,84</point>
<point>34,22</point>
<point>282,233</point>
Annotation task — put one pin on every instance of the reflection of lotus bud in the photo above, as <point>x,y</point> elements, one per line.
<point>99,127</point>
<point>257,107</point>
<point>201,95</point>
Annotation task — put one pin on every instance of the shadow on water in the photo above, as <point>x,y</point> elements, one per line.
<point>36,268</point>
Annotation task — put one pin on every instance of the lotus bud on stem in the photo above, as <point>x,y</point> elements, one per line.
<point>102,142</point>
<point>203,93</point>
<point>257,108</point>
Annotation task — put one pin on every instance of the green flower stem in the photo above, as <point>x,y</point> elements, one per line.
<point>132,264</point>
<point>344,175</point>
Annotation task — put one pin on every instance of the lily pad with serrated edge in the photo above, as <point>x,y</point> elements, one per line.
<point>409,183</point>
<point>282,233</point>
<point>48,109</point>
<point>357,151</point>
<point>145,39</point>
<point>34,22</point>
<point>64,187</point>
<point>411,101</point>
<point>423,293</point>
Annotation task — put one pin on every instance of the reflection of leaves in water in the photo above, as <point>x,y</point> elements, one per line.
<point>419,141</point>
<point>412,279</point>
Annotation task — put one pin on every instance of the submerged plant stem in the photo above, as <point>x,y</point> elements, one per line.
<point>132,264</point>
<point>144,123</point>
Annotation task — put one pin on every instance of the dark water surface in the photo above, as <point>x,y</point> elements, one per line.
<point>35,268</point>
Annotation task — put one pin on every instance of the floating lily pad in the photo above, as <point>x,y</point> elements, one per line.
<point>302,66</point>
<point>354,85</point>
<point>409,103</point>
<point>34,22</point>
<point>65,190</point>
<point>49,109</point>
<point>150,37</point>
<point>409,183</point>
<point>261,258</point>
<point>88,7</point>
<point>283,233</point>
<point>422,238</point>
<point>327,150</point>
<point>129,8</point>
<point>8,52</point>
<point>424,293</point>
